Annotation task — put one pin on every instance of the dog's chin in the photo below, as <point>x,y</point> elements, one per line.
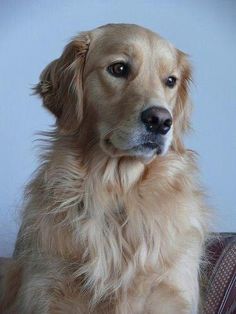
<point>146,151</point>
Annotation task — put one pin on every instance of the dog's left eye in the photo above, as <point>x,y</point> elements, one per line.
<point>171,81</point>
<point>119,69</point>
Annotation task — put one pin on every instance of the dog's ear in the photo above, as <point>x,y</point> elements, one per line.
<point>61,85</point>
<point>183,106</point>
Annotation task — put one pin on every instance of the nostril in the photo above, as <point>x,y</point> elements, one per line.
<point>168,123</point>
<point>165,126</point>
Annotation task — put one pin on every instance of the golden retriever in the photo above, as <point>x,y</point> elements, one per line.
<point>114,219</point>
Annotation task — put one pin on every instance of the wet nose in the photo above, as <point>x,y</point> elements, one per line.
<point>157,120</point>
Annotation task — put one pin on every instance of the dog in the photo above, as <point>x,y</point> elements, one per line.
<point>114,219</point>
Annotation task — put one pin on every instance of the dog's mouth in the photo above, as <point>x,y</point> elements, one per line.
<point>147,149</point>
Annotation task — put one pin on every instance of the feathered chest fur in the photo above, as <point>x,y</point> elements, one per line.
<point>115,219</point>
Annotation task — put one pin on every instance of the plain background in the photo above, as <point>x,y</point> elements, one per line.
<point>32,33</point>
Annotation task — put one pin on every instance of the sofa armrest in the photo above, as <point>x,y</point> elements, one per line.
<point>220,289</point>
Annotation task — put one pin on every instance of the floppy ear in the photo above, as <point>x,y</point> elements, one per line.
<point>183,106</point>
<point>61,85</point>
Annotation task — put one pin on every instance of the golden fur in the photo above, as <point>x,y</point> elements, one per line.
<point>104,231</point>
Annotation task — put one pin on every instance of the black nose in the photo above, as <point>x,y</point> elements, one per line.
<point>157,120</point>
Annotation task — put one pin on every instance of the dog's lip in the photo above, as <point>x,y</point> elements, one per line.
<point>148,146</point>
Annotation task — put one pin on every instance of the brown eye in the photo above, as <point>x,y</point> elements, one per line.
<point>119,69</point>
<point>171,81</point>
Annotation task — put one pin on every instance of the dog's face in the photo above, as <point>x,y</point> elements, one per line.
<point>125,85</point>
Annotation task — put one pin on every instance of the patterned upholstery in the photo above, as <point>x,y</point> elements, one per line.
<point>220,290</point>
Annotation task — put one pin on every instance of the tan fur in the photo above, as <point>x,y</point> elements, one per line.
<point>102,231</point>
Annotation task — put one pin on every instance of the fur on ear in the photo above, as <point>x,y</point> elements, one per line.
<point>183,106</point>
<point>61,84</point>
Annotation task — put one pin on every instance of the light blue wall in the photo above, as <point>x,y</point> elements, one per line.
<point>32,33</point>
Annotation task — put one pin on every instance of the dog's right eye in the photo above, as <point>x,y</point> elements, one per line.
<point>119,69</point>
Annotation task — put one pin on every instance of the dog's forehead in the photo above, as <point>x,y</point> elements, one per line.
<point>130,39</point>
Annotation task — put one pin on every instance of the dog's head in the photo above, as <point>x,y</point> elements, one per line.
<point>124,86</point>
